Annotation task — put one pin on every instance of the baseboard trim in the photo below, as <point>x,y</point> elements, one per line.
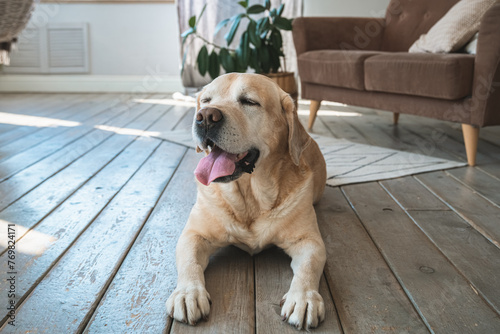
<point>90,83</point>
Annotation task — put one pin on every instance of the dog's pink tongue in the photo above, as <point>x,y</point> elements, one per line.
<point>217,164</point>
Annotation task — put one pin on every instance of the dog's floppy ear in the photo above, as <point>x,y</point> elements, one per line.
<point>298,138</point>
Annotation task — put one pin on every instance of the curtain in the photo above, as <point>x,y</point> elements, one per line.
<point>216,11</point>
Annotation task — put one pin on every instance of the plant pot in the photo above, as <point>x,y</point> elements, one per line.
<point>286,81</point>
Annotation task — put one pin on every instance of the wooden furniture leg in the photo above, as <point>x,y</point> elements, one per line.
<point>313,111</point>
<point>471,138</point>
<point>395,118</point>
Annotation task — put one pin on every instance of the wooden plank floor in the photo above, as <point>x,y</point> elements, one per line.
<point>96,205</point>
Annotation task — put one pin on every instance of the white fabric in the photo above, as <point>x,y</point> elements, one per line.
<point>472,45</point>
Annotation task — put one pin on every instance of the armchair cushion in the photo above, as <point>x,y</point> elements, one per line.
<point>422,74</point>
<point>334,67</point>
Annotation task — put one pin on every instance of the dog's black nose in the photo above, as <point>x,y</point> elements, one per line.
<point>208,117</point>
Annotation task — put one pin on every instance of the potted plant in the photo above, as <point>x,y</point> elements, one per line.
<point>260,47</point>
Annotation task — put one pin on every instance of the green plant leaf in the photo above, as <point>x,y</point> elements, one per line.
<point>213,65</point>
<point>252,33</point>
<point>255,60</point>
<point>226,60</point>
<point>276,39</point>
<point>267,4</point>
<point>282,23</point>
<point>256,9</point>
<point>280,9</point>
<point>244,4</point>
<point>243,51</point>
<point>237,66</point>
<point>264,59</point>
<point>274,59</point>
<point>272,13</point>
<point>221,24</point>
<point>202,60</point>
<point>263,25</point>
<point>202,11</point>
<point>230,35</point>
<point>192,21</point>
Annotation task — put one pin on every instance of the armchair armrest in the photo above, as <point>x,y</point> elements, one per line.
<point>337,33</point>
<point>485,102</point>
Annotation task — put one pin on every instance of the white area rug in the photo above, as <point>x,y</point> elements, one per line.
<point>349,162</point>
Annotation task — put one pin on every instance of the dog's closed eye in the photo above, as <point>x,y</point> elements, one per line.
<point>249,102</point>
<point>206,100</point>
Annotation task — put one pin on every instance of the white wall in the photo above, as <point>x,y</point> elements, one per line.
<point>129,41</point>
<point>359,8</point>
<point>124,38</point>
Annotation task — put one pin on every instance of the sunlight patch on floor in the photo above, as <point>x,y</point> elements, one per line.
<point>168,102</point>
<point>33,243</point>
<point>323,103</point>
<point>331,113</point>
<point>126,131</point>
<point>36,121</point>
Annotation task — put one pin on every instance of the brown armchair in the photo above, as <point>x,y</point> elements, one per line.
<point>365,62</point>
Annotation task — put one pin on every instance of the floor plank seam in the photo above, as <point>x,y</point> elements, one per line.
<point>73,192</point>
<point>326,126</point>
<point>477,192</point>
<point>396,277</point>
<point>366,140</point>
<point>459,157</point>
<point>87,319</point>
<point>485,172</point>
<point>48,155</point>
<point>330,291</point>
<point>51,113</point>
<point>73,161</point>
<point>49,138</point>
<point>457,212</point>
<point>475,288</point>
<point>182,118</point>
<point>54,263</point>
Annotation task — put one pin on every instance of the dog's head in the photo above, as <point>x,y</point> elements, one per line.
<point>240,121</point>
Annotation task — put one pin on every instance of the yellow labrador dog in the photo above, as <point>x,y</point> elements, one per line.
<point>257,184</point>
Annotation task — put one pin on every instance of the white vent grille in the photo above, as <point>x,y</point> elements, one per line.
<point>56,48</point>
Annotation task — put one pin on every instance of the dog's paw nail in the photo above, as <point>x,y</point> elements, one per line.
<point>284,318</point>
<point>205,318</point>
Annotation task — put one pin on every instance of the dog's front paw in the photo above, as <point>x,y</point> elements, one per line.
<point>303,309</point>
<point>188,304</point>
